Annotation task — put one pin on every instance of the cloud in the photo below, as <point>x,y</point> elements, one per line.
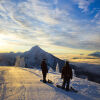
<point>83,58</point>
<point>55,1</point>
<point>78,40</point>
<point>39,22</point>
<point>83,4</point>
<point>42,11</point>
<point>96,18</point>
<point>96,54</point>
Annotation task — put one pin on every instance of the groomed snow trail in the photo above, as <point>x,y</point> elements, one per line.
<point>19,84</point>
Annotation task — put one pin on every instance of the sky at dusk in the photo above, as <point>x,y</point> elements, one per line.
<point>58,26</point>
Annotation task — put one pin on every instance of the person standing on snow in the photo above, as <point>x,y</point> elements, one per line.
<point>44,69</point>
<point>66,75</point>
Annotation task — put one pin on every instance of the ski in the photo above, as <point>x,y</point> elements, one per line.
<point>71,89</point>
<point>48,81</point>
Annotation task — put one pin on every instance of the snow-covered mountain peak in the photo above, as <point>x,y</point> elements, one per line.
<point>35,55</point>
<point>36,48</point>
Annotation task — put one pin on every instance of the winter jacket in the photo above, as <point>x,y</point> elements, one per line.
<point>44,67</point>
<point>66,72</point>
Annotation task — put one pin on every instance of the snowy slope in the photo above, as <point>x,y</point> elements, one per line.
<point>24,84</point>
<point>87,90</point>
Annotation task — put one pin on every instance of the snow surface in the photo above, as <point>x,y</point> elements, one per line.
<point>24,84</point>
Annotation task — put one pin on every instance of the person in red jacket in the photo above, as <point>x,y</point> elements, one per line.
<point>66,75</point>
<point>44,70</point>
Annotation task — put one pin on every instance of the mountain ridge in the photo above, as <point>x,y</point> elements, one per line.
<point>32,57</point>
<point>35,55</point>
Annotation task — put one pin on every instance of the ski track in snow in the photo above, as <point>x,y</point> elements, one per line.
<point>24,84</point>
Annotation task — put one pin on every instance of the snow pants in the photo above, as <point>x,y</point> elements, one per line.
<point>44,76</point>
<point>64,83</point>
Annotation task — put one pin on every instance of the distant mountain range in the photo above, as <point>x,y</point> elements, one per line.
<point>8,59</point>
<point>32,58</point>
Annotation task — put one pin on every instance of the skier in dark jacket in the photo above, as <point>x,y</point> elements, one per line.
<point>66,75</point>
<point>44,70</point>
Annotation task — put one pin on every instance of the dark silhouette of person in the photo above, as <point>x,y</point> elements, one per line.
<point>44,69</point>
<point>66,75</point>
